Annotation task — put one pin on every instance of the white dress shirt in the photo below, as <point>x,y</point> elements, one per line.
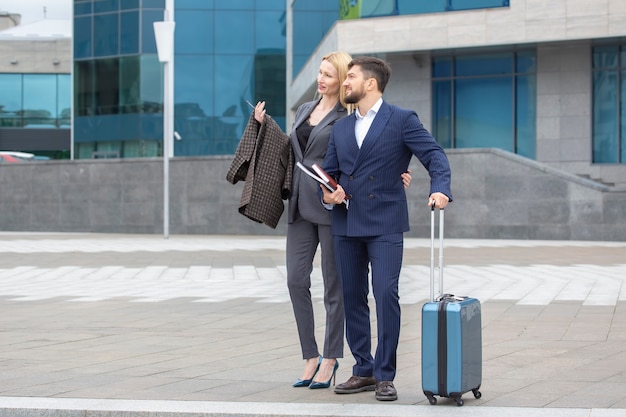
<point>363,123</point>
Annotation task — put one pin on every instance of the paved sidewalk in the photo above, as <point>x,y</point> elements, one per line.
<point>123,325</point>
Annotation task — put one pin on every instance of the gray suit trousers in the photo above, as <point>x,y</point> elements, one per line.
<point>303,238</point>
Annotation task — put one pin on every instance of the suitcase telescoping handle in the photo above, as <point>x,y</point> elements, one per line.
<point>432,253</point>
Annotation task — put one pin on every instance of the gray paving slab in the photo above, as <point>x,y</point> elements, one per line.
<point>136,325</point>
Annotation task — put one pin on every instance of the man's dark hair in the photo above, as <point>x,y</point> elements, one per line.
<point>373,68</point>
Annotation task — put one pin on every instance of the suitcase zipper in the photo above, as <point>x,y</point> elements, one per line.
<point>442,349</point>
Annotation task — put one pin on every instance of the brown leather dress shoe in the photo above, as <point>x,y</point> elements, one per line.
<point>385,391</point>
<point>356,384</point>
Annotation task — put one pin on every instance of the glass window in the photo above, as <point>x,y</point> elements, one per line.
<point>485,103</point>
<point>525,116</point>
<point>10,100</point>
<point>269,85</point>
<point>195,4</point>
<point>421,6</point>
<point>476,4</point>
<point>605,57</point>
<point>622,119</point>
<point>107,86</point>
<point>154,4</point>
<point>82,7</point>
<point>40,100</point>
<point>270,31</point>
<point>106,34</point>
<point>484,113</point>
<point>605,117</point>
<point>309,29</point>
<point>84,84</point>
<point>238,5</point>
<point>151,84</point>
<point>129,35</point>
<point>104,6</point>
<point>609,111</point>
<point>148,42</point>
<point>442,67</point>
<point>483,64</point>
<point>308,5</point>
<point>64,100</point>
<point>525,62</point>
<point>82,37</point>
<point>130,82</point>
<point>229,120</point>
<point>194,86</point>
<point>234,32</point>
<point>442,112</point>
<point>194,104</point>
<point>195,36</point>
<point>271,5</point>
<point>378,8</point>
<point>131,4</point>
<point>130,126</point>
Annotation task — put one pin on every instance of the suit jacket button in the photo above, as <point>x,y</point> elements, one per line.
<point>371,178</point>
<point>350,177</point>
<point>371,196</point>
<point>349,196</point>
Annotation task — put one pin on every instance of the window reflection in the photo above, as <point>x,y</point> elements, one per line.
<point>34,100</point>
<point>607,84</point>
<point>486,100</point>
<point>226,53</point>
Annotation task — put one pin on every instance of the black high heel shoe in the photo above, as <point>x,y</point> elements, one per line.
<point>318,385</point>
<point>306,382</point>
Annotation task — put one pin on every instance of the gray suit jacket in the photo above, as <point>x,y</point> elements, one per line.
<point>305,191</point>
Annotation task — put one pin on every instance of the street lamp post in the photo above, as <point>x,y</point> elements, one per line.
<point>164,35</point>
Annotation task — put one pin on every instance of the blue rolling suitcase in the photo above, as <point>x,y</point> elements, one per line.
<point>451,337</point>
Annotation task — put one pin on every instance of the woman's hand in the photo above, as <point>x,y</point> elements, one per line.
<point>259,111</point>
<point>406,178</point>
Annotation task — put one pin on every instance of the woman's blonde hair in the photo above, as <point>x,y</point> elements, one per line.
<point>340,61</point>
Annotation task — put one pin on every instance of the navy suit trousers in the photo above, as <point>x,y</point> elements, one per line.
<point>354,256</point>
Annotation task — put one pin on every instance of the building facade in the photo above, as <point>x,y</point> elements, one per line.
<point>542,79</point>
<point>35,86</point>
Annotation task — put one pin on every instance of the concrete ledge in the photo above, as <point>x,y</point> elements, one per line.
<point>70,407</point>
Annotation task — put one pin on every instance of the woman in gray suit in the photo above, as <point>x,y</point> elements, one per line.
<point>309,224</point>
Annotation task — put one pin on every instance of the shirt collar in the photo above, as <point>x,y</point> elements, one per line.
<point>374,109</point>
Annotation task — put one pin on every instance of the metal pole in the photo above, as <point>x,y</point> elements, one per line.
<point>168,122</point>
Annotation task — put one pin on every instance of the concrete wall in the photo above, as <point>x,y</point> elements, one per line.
<point>497,195</point>
<point>36,56</point>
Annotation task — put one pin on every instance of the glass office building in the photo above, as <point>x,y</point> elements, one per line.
<point>227,53</point>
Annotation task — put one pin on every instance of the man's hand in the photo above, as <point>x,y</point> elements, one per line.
<point>441,200</point>
<point>335,197</point>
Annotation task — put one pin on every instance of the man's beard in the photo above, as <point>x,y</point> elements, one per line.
<point>354,97</point>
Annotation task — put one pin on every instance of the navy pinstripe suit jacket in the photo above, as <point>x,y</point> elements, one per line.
<point>371,175</point>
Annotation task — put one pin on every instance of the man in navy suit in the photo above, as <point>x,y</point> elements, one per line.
<point>367,152</point>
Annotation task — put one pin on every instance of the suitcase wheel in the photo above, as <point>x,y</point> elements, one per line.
<point>459,401</point>
<point>476,393</point>
<point>431,399</point>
